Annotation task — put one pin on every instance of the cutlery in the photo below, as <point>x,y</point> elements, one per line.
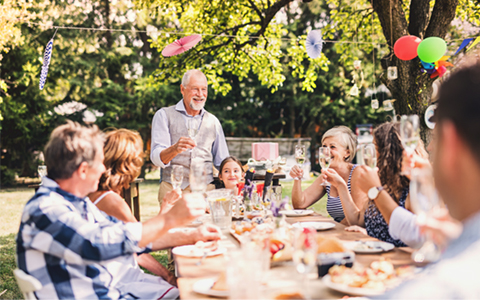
<point>201,259</point>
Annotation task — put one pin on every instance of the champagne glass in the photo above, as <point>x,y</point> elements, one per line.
<point>324,157</point>
<point>198,181</point>
<point>176,176</point>
<point>369,155</point>
<point>300,154</point>
<point>424,199</point>
<point>192,128</point>
<point>42,171</point>
<point>410,133</point>
<point>304,253</point>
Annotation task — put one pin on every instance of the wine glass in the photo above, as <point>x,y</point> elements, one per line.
<point>369,155</point>
<point>198,182</point>
<point>304,253</point>
<point>192,127</point>
<point>424,199</point>
<point>176,176</point>
<point>42,171</point>
<point>324,157</point>
<point>300,154</point>
<point>410,133</point>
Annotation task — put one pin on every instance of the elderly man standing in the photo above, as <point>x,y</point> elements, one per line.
<point>75,250</point>
<point>171,144</point>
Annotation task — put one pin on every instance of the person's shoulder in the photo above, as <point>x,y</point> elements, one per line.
<point>46,204</point>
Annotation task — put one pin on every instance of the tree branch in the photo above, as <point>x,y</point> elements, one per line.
<point>419,13</point>
<point>442,15</point>
<point>394,25</point>
<point>255,8</point>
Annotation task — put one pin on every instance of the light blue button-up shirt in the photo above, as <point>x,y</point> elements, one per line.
<point>161,136</point>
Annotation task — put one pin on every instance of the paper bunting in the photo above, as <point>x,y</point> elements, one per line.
<point>463,45</point>
<point>474,43</point>
<point>314,43</point>
<point>46,62</point>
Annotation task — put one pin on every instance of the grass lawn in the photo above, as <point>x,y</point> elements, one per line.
<point>12,202</point>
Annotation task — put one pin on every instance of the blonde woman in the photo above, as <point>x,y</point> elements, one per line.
<point>343,146</point>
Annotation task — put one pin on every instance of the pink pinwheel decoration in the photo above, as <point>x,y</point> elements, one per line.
<point>181,45</point>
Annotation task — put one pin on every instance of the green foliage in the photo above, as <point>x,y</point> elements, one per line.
<point>7,257</point>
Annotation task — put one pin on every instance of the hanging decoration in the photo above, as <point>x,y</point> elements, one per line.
<point>464,43</point>
<point>405,48</point>
<point>388,104</point>
<point>47,56</point>
<point>357,65</point>
<point>181,45</point>
<point>431,49</point>
<point>314,43</point>
<point>392,73</point>
<point>476,41</point>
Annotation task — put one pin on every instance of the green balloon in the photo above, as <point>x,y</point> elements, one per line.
<point>431,49</point>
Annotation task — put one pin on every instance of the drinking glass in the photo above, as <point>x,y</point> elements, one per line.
<point>300,154</point>
<point>198,177</point>
<point>192,127</point>
<point>369,155</point>
<point>176,176</point>
<point>220,202</point>
<point>42,171</point>
<point>409,133</point>
<point>424,199</point>
<point>324,157</point>
<point>304,253</point>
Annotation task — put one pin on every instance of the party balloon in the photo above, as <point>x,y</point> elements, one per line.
<point>431,49</point>
<point>405,48</point>
<point>427,66</point>
<point>441,70</point>
<point>444,63</point>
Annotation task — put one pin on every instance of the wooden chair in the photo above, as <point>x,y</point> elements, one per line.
<point>132,197</point>
<point>27,284</point>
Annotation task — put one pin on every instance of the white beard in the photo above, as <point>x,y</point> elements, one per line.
<point>196,106</point>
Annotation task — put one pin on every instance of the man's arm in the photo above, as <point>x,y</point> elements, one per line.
<point>403,227</point>
<point>187,236</point>
<point>219,147</point>
<point>162,149</point>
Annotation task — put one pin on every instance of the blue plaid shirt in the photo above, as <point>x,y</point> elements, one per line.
<point>64,241</point>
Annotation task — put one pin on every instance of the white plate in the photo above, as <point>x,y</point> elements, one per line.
<point>366,247</point>
<point>316,225</point>
<point>204,287</point>
<point>189,252</point>
<point>353,291</point>
<point>296,212</point>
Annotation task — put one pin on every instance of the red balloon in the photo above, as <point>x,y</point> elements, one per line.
<point>405,48</point>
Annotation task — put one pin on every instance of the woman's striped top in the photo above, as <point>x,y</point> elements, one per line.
<point>334,205</point>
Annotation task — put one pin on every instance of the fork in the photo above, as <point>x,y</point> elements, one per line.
<point>201,259</point>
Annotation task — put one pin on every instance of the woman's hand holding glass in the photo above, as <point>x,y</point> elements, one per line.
<point>296,172</point>
<point>324,157</point>
<point>333,177</point>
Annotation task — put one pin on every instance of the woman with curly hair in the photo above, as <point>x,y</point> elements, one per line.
<point>389,162</point>
<point>123,151</point>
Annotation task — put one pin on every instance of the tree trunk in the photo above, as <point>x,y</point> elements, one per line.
<point>412,89</point>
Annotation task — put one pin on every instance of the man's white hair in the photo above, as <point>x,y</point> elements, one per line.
<point>189,74</point>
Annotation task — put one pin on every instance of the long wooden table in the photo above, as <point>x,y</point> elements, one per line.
<point>285,274</point>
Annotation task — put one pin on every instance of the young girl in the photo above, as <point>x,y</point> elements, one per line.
<point>231,172</point>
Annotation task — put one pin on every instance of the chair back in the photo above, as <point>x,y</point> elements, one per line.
<point>27,284</point>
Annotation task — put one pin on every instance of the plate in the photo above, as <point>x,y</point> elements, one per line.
<point>368,246</point>
<point>189,251</point>
<point>204,287</point>
<point>297,212</point>
<point>353,291</point>
<point>316,225</point>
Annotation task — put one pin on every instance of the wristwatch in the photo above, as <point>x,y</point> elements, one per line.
<point>374,191</point>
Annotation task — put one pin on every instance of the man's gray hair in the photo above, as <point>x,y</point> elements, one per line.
<point>189,74</point>
<point>70,145</point>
